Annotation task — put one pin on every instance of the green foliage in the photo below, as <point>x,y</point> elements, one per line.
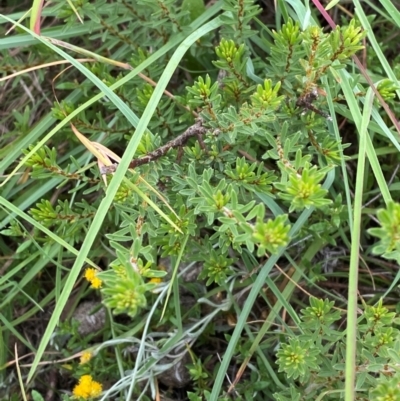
<point>194,7</point>
<point>237,18</point>
<point>388,234</point>
<point>217,268</point>
<point>237,152</point>
<point>387,389</point>
<point>298,359</point>
<point>124,291</point>
<point>37,396</point>
<point>387,89</point>
<point>271,235</point>
<point>315,356</point>
<point>304,191</point>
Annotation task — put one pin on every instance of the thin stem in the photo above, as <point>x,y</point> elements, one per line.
<point>351,339</point>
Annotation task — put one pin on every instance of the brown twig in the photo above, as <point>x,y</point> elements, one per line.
<point>196,129</point>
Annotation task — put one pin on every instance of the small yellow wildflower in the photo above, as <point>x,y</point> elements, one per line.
<point>86,357</point>
<point>156,280</point>
<point>96,389</point>
<point>90,274</point>
<point>87,388</point>
<point>96,283</point>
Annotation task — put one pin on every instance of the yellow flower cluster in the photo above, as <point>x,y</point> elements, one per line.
<point>87,388</point>
<point>90,275</point>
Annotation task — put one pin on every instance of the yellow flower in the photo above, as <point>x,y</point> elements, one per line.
<point>86,357</point>
<point>156,280</point>
<point>96,283</point>
<point>90,274</point>
<point>87,388</point>
<point>96,389</point>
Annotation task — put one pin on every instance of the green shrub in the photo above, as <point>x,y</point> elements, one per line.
<point>235,152</point>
